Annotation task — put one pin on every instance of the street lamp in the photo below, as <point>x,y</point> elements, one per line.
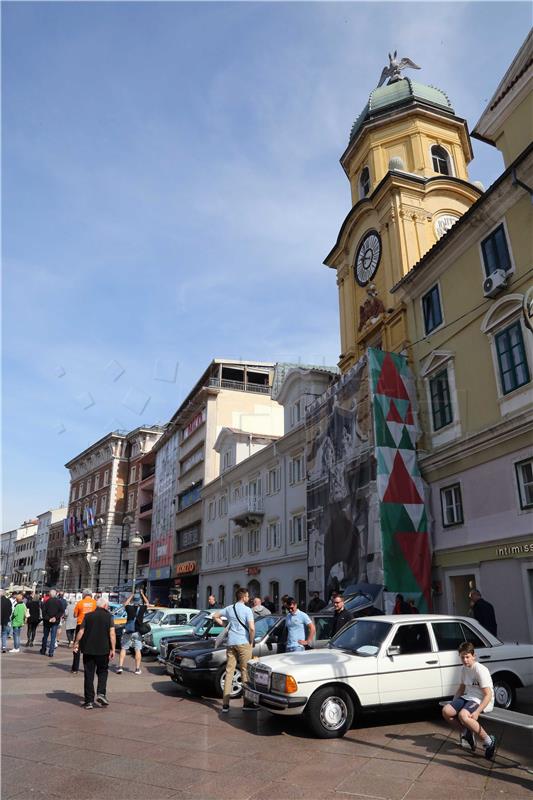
<point>136,542</point>
<point>66,568</point>
<point>126,522</point>
<point>43,576</point>
<point>92,563</point>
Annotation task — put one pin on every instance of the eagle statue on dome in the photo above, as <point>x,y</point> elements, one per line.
<point>394,70</point>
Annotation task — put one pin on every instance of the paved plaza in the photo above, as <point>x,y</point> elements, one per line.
<point>154,741</point>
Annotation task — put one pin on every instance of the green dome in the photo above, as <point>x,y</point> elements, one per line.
<point>400,93</point>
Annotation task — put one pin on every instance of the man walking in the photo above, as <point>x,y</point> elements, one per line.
<point>82,607</point>
<point>296,622</point>
<point>98,633</point>
<point>241,631</point>
<point>483,611</point>
<point>34,609</point>
<point>52,613</point>
<point>132,636</point>
<point>5,617</point>
<point>341,615</point>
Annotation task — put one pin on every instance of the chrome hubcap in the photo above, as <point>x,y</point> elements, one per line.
<point>501,695</point>
<point>236,684</point>
<point>333,713</point>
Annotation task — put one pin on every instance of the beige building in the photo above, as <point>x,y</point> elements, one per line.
<point>235,394</point>
<point>472,350</point>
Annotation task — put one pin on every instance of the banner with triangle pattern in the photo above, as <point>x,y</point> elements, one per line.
<point>403,518</point>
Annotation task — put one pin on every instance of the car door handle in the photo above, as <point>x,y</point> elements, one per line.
<point>432,662</point>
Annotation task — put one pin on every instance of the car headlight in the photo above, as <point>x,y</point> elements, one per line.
<point>285,684</point>
<point>188,663</point>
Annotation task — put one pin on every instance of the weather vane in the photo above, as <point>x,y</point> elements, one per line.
<point>394,71</point>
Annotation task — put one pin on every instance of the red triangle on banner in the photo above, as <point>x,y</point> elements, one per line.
<point>390,383</point>
<point>394,414</point>
<point>401,487</point>
<point>415,550</point>
<point>409,417</point>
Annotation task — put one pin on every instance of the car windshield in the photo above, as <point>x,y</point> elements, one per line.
<point>263,625</point>
<point>153,616</point>
<point>199,621</point>
<point>118,611</point>
<point>363,637</point>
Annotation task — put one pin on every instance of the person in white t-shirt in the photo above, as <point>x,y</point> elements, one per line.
<point>474,695</point>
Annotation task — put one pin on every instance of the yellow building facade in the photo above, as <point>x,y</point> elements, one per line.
<point>406,162</point>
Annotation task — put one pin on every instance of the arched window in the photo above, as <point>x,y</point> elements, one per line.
<point>208,593</point>
<point>441,160</point>
<point>364,183</point>
<point>254,589</point>
<point>300,593</point>
<point>222,595</point>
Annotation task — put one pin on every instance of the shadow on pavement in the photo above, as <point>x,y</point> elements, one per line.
<point>65,697</point>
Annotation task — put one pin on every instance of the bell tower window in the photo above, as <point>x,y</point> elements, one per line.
<point>441,160</point>
<point>364,183</point>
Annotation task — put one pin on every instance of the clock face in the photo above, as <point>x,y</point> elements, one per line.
<point>367,257</point>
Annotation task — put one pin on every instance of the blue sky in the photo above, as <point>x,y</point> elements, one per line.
<point>171,186</point>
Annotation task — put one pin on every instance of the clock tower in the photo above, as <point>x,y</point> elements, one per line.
<point>406,161</point>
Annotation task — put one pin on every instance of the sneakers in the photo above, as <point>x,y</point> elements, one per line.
<point>225,709</point>
<point>119,670</point>
<point>490,748</point>
<point>74,671</point>
<point>102,699</point>
<point>468,740</point>
<point>138,672</point>
<point>88,705</point>
<point>15,650</point>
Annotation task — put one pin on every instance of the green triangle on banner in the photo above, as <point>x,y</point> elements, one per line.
<point>382,434</point>
<point>402,406</point>
<point>405,442</point>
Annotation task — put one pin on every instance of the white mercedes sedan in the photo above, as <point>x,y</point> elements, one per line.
<point>383,661</point>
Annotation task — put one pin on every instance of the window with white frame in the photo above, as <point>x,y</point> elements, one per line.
<point>297,532</point>
<point>451,505</point>
<point>524,476</point>
<point>254,488</point>
<point>88,489</point>
<point>210,553</point>
<point>211,510</point>
<point>364,183</point>
<point>103,503</point>
<point>296,414</point>
<point>227,459</point>
<point>133,473</point>
<point>512,360</point>
<point>296,469</point>
<point>222,554</point>
<point>431,309</point>
<point>222,506</point>
<point>510,343</point>
<point>495,251</point>
<point>80,490</point>
<point>441,160</point>
<point>273,480</point>
<point>106,478</point>
<point>236,546</point>
<point>96,481</point>
<point>254,540</point>
<point>236,494</point>
<point>273,535</point>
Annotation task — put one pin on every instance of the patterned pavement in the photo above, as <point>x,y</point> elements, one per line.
<point>154,741</point>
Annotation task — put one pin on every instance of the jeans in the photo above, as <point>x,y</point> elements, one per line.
<point>52,631</point>
<point>5,631</point>
<point>100,664</point>
<point>240,653</point>
<point>16,638</point>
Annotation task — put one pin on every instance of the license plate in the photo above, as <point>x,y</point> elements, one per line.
<point>261,678</point>
<point>253,697</point>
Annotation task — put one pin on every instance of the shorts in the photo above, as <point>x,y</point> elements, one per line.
<point>468,705</point>
<point>131,640</point>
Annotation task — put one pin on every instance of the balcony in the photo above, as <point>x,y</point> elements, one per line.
<point>247,512</point>
<point>77,546</point>
<point>238,386</point>
<point>147,471</point>
<point>146,507</point>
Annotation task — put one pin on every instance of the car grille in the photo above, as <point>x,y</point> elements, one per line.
<point>259,677</point>
<point>163,650</point>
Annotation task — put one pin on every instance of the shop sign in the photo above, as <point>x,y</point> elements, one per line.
<point>510,550</point>
<point>186,568</point>
<point>193,425</point>
<point>253,570</point>
<point>159,574</point>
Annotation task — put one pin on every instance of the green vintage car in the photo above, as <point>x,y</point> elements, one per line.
<point>165,621</point>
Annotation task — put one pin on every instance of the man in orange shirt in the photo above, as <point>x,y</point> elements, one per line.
<point>82,607</point>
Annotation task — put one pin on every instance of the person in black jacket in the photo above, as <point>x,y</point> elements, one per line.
<point>483,612</point>
<point>52,612</point>
<point>341,615</point>
<point>316,603</point>
<point>34,607</point>
<point>6,609</point>
<point>98,633</point>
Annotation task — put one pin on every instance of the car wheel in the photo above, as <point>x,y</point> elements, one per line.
<point>236,685</point>
<point>330,712</point>
<point>504,693</point>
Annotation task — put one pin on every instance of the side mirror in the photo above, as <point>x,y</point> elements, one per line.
<point>393,650</point>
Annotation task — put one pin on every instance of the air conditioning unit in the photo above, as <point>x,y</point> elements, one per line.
<point>495,283</point>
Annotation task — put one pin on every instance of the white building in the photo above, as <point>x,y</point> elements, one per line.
<point>24,553</point>
<point>254,511</point>
<point>45,519</point>
<point>8,540</point>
